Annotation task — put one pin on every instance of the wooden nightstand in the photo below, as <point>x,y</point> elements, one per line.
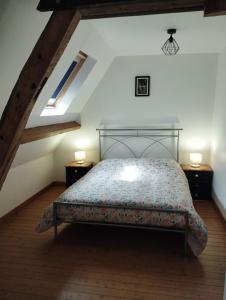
<point>74,171</point>
<point>200,181</point>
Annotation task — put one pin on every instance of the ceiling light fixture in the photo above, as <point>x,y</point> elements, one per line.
<point>171,47</point>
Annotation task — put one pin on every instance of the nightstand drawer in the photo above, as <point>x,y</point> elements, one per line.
<point>197,176</point>
<point>72,175</point>
<point>200,190</point>
<point>199,194</point>
<point>200,181</point>
<point>75,171</point>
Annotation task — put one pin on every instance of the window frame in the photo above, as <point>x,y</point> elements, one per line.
<point>80,59</point>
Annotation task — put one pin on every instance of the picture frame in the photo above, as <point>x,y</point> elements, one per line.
<point>142,86</point>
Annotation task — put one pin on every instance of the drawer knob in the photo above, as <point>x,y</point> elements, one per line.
<point>196,195</point>
<point>76,171</point>
<point>197,175</point>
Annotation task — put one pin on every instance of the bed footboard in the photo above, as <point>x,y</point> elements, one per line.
<point>58,220</point>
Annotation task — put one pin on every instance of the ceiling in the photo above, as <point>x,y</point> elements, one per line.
<point>145,35</point>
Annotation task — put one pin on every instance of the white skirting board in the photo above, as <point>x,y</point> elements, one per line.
<point>223,213</point>
<point>219,205</point>
<point>225,288</point>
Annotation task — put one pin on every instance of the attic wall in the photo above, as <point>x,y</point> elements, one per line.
<point>182,94</point>
<point>19,32</point>
<point>218,160</point>
<point>89,41</point>
<point>24,181</point>
<point>20,27</point>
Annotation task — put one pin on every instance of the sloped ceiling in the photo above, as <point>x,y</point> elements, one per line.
<point>87,39</point>
<point>21,26</point>
<point>145,35</point>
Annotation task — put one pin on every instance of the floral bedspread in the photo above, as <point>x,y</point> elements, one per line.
<point>125,190</point>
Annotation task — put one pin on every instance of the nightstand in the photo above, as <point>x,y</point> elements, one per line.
<point>74,171</point>
<point>200,181</point>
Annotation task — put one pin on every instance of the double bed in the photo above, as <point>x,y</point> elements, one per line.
<point>132,192</point>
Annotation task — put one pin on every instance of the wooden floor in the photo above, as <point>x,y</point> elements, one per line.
<point>106,263</point>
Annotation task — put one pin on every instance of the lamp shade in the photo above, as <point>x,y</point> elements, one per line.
<point>80,156</point>
<point>195,159</point>
<point>171,47</point>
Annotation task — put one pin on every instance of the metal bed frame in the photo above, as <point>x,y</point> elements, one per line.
<point>156,136</point>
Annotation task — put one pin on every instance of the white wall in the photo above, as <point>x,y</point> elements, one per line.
<point>24,181</point>
<point>182,91</point>
<point>218,158</point>
<point>20,27</point>
<point>19,33</point>
<point>85,38</point>
<point>182,94</point>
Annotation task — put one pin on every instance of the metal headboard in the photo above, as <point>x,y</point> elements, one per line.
<point>153,136</point>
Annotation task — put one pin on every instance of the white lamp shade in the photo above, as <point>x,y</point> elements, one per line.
<point>80,156</point>
<point>195,159</point>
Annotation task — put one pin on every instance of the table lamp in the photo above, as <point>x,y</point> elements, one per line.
<point>80,156</point>
<point>195,159</point>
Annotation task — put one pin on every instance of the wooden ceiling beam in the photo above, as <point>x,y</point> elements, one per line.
<point>215,8</point>
<point>33,77</point>
<point>42,132</point>
<point>142,7</point>
<point>54,5</point>
<point>118,8</point>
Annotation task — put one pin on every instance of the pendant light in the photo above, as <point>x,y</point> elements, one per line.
<point>171,47</point>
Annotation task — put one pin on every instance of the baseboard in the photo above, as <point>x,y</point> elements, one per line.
<point>225,288</point>
<point>219,206</point>
<point>55,183</point>
<point>16,210</point>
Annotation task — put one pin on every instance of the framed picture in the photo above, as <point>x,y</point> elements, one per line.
<point>142,86</point>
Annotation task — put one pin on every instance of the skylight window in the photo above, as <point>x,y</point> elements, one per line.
<point>69,86</point>
<point>67,80</point>
<point>62,86</point>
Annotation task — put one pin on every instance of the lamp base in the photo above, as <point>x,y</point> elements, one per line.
<point>80,161</point>
<point>195,165</point>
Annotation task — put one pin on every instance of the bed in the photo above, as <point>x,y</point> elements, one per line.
<point>136,192</point>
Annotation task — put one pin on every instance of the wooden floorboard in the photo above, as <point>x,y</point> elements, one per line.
<point>90,262</point>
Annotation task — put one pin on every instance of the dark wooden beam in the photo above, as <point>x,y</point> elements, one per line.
<point>215,8</point>
<point>54,5</point>
<point>42,132</point>
<point>119,8</point>
<point>33,77</point>
<point>142,7</point>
